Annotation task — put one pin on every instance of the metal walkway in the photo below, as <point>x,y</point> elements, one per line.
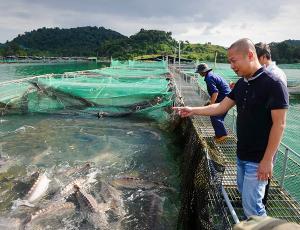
<point>280,204</point>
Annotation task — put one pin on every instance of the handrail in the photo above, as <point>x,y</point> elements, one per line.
<point>290,149</point>
<point>230,207</point>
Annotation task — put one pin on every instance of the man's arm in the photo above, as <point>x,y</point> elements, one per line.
<point>213,98</point>
<point>211,110</point>
<point>265,169</point>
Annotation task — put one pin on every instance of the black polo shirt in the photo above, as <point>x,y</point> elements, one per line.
<point>255,98</point>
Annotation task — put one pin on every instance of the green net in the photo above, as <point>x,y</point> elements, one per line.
<point>122,91</point>
<point>139,64</point>
<point>124,72</point>
<point>134,69</point>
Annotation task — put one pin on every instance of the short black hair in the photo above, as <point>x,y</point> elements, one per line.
<point>263,49</point>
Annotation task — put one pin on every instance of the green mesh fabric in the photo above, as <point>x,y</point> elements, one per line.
<point>134,69</point>
<point>202,205</point>
<point>124,90</point>
<point>120,72</point>
<point>139,64</point>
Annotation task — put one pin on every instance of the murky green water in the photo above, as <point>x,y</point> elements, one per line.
<point>140,148</point>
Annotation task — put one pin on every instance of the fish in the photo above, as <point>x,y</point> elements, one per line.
<point>155,135</point>
<point>154,211</point>
<point>79,169</point>
<point>126,182</point>
<point>56,210</point>
<point>39,188</point>
<point>23,128</point>
<point>113,198</point>
<point>40,156</point>
<point>147,211</point>
<point>36,192</point>
<point>91,210</point>
<point>68,190</point>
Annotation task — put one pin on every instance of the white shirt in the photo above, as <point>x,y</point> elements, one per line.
<point>277,72</point>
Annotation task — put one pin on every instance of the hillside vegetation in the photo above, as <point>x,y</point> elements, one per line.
<point>101,42</point>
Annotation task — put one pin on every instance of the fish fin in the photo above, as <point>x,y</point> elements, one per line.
<point>20,202</point>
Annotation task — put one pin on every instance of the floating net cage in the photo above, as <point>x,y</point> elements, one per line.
<point>135,87</point>
<point>134,69</point>
<point>202,203</point>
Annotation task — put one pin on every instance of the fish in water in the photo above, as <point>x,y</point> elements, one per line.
<point>126,182</point>
<point>40,156</point>
<point>75,170</point>
<point>23,129</point>
<point>94,213</point>
<point>68,190</point>
<point>53,211</point>
<point>113,198</point>
<point>154,211</point>
<point>36,192</point>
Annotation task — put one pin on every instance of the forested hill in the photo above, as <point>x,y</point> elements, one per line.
<point>81,41</point>
<point>286,52</point>
<point>101,42</point>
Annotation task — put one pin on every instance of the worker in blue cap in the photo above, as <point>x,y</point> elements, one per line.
<point>217,89</point>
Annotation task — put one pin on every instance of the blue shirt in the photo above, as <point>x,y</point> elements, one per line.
<point>216,84</point>
<point>255,98</point>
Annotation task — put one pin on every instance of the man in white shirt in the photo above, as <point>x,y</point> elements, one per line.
<point>264,57</point>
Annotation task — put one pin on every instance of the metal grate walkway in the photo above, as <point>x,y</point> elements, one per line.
<point>280,203</point>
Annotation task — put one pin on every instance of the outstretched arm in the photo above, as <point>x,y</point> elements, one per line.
<point>211,110</point>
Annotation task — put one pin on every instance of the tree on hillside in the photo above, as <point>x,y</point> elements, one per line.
<point>81,41</point>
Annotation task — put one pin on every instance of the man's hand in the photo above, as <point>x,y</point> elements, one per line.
<point>183,111</point>
<point>265,170</point>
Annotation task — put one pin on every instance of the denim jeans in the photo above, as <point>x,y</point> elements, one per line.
<point>251,189</point>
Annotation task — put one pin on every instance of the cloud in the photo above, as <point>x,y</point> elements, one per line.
<point>217,21</point>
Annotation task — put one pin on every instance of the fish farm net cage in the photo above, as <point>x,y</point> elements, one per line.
<point>133,87</point>
<point>202,203</point>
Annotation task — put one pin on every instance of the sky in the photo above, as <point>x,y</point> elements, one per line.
<point>220,22</point>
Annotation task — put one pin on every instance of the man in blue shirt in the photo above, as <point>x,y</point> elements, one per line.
<point>262,101</point>
<point>217,89</point>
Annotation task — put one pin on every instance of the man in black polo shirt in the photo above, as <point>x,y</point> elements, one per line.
<point>262,102</point>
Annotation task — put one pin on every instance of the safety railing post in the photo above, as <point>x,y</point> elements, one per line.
<point>286,153</point>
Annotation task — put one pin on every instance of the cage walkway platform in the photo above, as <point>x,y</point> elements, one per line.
<point>280,203</point>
